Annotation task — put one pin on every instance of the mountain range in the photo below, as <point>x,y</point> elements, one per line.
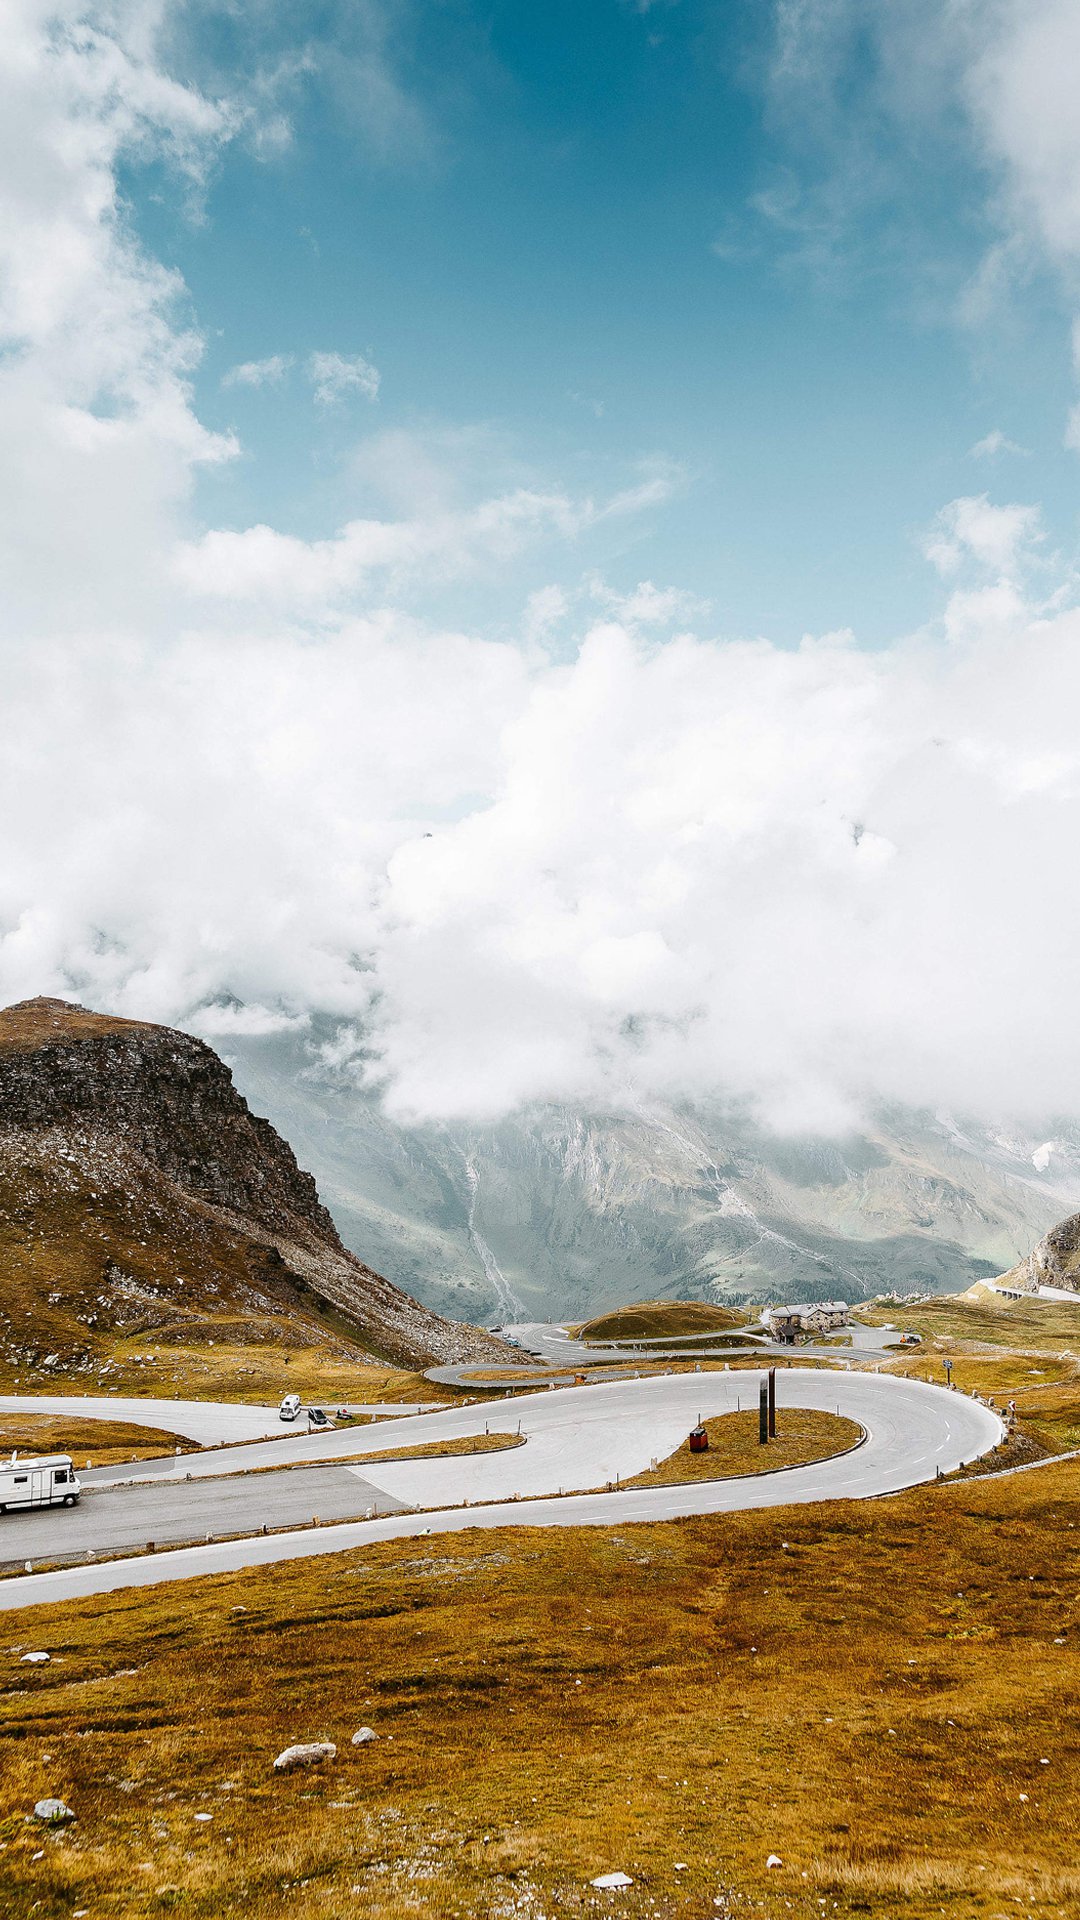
<point>560,1212</point>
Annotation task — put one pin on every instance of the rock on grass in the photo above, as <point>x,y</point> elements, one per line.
<point>308,1754</point>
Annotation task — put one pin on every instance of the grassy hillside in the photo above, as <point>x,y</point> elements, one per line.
<point>882,1695</point>
<point>147,1217</point>
<point>660,1319</point>
<point>985,1316</point>
<point>119,1279</point>
<point>102,1443</point>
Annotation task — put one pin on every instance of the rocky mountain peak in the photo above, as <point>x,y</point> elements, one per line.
<point>165,1094</point>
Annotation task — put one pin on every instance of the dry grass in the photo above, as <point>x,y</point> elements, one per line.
<point>437,1449</point>
<point>660,1319</point>
<point>868,1691</point>
<point>996,1372</point>
<point>525,1375</point>
<point>57,1023</point>
<point>802,1435</point>
<point>105,1442</point>
<point>226,1365</point>
<point>1052,1416</point>
<point>119,1279</point>
<point>990,1319</point>
<point>223,1359</point>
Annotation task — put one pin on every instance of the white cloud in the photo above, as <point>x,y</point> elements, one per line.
<point>807,875</point>
<point>96,355</point>
<point>874,90</point>
<point>335,375</point>
<point>545,609</point>
<point>259,373</point>
<point>997,539</point>
<point>645,869</point>
<point>1020,82</point>
<point>993,443</point>
<point>263,566</point>
<point>649,606</point>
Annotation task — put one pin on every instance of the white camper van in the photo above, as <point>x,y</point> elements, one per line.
<point>46,1481</point>
<point>290,1407</point>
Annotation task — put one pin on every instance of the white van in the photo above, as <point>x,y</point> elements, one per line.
<point>289,1407</point>
<point>47,1481</point>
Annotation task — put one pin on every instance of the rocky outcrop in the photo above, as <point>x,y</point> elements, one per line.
<point>160,1091</point>
<point>100,1116</point>
<point>1054,1262</point>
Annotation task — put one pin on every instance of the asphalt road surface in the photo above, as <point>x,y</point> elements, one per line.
<point>210,1422</point>
<point>119,1520</point>
<point>577,1437</point>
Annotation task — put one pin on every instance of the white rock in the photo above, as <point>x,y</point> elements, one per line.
<point>774,1860</point>
<point>612,1880</point>
<point>35,1659</point>
<point>53,1812</point>
<point>308,1754</point>
<point>362,1736</point>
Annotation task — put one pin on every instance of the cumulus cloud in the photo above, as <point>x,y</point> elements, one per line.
<point>335,375</point>
<point>812,877</point>
<point>999,540</point>
<point>259,373</point>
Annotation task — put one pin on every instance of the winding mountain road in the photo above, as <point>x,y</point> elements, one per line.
<point>548,1348</point>
<point>576,1438</point>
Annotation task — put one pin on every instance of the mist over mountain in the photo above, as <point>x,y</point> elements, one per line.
<point>560,1210</point>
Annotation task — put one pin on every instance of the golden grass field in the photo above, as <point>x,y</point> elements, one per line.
<point>989,1317</point>
<point>106,1442</point>
<point>226,1363</point>
<point>869,1691</point>
<point>885,1695</point>
<point>657,1319</point>
<point>802,1435</point>
<point>440,1449</point>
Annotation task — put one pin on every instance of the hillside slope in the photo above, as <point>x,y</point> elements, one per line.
<point>561,1212</point>
<point>1054,1262</point>
<point>138,1193</point>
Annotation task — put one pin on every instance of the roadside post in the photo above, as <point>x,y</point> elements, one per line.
<point>772,1403</point>
<point>763,1412</point>
<point>947,1364</point>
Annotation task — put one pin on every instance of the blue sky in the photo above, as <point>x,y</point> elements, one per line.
<point>548,535</point>
<point>579,240</point>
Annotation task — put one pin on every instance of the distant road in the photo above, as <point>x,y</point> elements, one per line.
<point>558,1351</point>
<point>576,1437</point>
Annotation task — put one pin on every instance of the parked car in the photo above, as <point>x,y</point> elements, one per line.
<point>47,1481</point>
<point>317,1418</point>
<point>289,1407</point>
